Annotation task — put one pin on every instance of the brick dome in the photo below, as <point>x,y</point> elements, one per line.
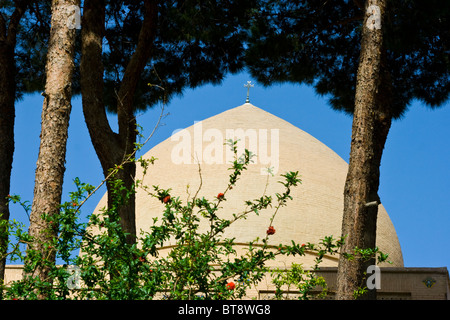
<point>317,205</point>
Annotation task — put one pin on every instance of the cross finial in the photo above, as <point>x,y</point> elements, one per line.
<point>248,86</point>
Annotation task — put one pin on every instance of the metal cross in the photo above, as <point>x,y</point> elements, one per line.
<point>248,86</point>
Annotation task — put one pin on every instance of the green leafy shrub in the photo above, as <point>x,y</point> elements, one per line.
<point>201,263</point>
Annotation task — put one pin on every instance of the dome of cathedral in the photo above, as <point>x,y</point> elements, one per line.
<point>197,156</point>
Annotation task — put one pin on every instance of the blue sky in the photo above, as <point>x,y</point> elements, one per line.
<point>415,170</point>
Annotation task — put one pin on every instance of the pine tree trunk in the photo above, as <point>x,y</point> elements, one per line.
<point>8,39</point>
<point>113,148</point>
<point>7,115</point>
<point>54,133</point>
<point>371,124</point>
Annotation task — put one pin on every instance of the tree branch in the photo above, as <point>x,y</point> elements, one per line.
<point>91,70</point>
<point>2,27</point>
<point>135,67</point>
<point>15,20</point>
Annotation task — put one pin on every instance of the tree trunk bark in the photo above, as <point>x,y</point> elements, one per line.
<point>114,148</point>
<point>371,124</point>
<point>7,115</point>
<point>8,38</point>
<point>54,133</point>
